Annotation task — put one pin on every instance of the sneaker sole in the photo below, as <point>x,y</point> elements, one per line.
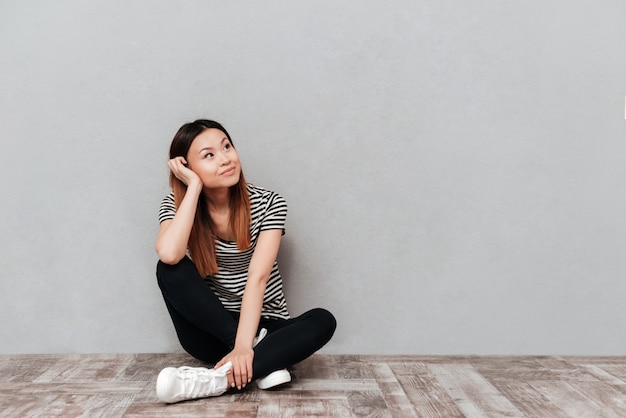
<point>162,385</point>
<point>274,379</point>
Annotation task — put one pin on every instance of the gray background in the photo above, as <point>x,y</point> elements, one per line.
<point>454,170</point>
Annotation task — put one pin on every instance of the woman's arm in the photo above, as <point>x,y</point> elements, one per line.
<point>173,236</point>
<point>259,271</point>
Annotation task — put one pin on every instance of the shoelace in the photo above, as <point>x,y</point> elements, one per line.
<point>197,382</point>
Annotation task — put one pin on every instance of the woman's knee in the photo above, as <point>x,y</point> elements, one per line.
<point>167,273</point>
<point>164,273</point>
<point>326,324</point>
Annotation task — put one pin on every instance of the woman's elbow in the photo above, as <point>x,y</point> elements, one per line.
<point>258,278</point>
<point>169,257</point>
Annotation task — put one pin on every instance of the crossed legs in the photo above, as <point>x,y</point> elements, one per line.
<point>206,330</point>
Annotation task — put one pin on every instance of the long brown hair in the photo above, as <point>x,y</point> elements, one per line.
<point>202,239</point>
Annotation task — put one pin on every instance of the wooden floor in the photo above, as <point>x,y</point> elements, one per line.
<point>324,386</point>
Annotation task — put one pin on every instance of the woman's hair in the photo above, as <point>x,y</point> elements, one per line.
<point>202,239</point>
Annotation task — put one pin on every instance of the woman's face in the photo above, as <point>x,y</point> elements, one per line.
<point>214,159</point>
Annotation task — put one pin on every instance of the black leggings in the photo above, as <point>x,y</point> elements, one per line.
<point>207,331</point>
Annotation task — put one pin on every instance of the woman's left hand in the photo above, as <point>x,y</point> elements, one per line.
<point>241,372</point>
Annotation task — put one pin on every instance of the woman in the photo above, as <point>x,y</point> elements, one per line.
<point>217,245</point>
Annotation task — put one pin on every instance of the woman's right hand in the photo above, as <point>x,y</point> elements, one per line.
<point>178,167</point>
<point>173,237</point>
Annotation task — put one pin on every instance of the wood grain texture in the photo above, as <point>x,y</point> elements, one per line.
<point>123,385</point>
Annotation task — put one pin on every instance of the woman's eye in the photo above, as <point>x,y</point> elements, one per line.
<point>209,155</point>
<point>226,147</point>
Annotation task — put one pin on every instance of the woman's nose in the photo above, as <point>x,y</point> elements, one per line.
<point>224,158</point>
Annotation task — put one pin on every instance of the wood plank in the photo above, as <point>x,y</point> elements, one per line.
<point>570,401</point>
<point>316,367</point>
<point>12,405</point>
<point>368,404</point>
<point>617,370</point>
<point>340,385</point>
<point>89,388</point>
<point>26,367</point>
<point>395,398</point>
<point>426,394</point>
<point>604,376</point>
<point>353,367</point>
<point>595,359</point>
<point>604,395</point>
<point>528,400</point>
<point>471,392</point>
<point>210,407</point>
<point>527,369</point>
<point>303,408</point>
<point>93,368</point>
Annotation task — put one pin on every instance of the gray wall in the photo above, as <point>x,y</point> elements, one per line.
<point>455,170</point>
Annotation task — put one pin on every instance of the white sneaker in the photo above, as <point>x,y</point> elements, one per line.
<point>274,379</point>
<point>258,338</point>
<point>183,383</point>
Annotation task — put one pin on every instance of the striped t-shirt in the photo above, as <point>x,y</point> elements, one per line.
<point>268,211</point>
